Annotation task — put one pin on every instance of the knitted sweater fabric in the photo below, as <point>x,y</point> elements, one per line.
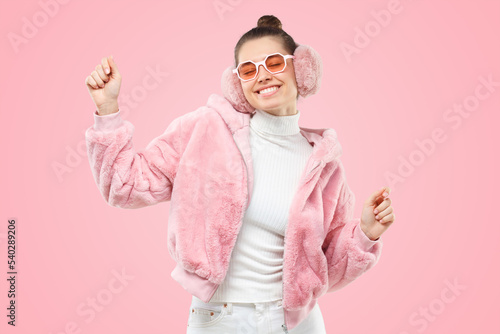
<point>279,156</point>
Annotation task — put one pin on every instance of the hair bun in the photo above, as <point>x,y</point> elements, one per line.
<point>269,21</point>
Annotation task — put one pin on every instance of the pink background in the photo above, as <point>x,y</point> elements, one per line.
<point>394,93</point>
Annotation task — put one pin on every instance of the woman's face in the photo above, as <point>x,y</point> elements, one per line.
<point>283,101</point>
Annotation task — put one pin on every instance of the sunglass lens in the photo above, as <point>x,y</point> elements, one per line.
<point>275,63</point>
<point>247,70</point>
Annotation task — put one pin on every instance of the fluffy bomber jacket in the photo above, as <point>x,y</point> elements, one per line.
<point>202,163</point>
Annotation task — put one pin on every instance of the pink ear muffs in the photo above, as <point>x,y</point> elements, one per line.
<point>308,71</point>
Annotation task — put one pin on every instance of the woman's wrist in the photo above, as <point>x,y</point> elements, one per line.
<point>108,108</point>
<point>368,234</point>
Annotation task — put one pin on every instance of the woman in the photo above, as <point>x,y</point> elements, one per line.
<point>261,218</point>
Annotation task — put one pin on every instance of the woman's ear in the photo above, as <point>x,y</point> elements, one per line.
<point>308,70</point>
<point>232,91</point>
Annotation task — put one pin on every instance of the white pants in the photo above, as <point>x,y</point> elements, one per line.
<point>247,318</point>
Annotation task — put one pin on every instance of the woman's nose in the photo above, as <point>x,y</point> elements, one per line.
<point>263,74</point>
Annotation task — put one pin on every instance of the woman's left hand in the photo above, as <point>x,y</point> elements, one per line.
<point>377,214</point>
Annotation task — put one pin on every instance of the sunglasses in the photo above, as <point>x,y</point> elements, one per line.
<point>274,63</point>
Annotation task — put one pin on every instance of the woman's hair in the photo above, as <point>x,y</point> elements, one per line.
<point>267,25</point>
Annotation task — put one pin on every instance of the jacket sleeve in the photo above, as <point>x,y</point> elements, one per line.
<point>126,178</point>
<point>348,250</point>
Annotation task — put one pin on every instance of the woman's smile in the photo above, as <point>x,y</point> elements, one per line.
<point>268,91</point>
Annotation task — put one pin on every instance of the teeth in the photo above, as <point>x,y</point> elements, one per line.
<point>268,90</point>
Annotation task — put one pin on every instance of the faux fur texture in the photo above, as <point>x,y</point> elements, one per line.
<point>202,163</point>
<point>308,72</point>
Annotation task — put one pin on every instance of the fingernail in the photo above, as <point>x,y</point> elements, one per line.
<point>375,212</point>
<point>107,70</point>
<point>377,217</point>
<point>386,194</point>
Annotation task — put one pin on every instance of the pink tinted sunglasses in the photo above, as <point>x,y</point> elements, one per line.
<point>273,63</point>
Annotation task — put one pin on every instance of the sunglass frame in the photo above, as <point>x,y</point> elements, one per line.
<point>263,62</point>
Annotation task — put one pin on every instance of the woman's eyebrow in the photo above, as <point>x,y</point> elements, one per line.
<point>261,58</point>
<point>255,61</point>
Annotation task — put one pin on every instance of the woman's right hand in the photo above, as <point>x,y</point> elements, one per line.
<point>105,87</point>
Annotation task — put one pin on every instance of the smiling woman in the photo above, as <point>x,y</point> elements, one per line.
<point>261,217</point>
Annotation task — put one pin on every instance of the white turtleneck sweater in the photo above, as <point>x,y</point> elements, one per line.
<point>279,154</point>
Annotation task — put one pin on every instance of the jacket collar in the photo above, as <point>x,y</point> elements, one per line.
<point>326,146</point>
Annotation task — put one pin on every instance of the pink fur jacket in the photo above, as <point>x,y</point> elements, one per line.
<point>202,164</point>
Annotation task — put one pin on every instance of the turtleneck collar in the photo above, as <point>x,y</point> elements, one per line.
<point>275,125</point>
